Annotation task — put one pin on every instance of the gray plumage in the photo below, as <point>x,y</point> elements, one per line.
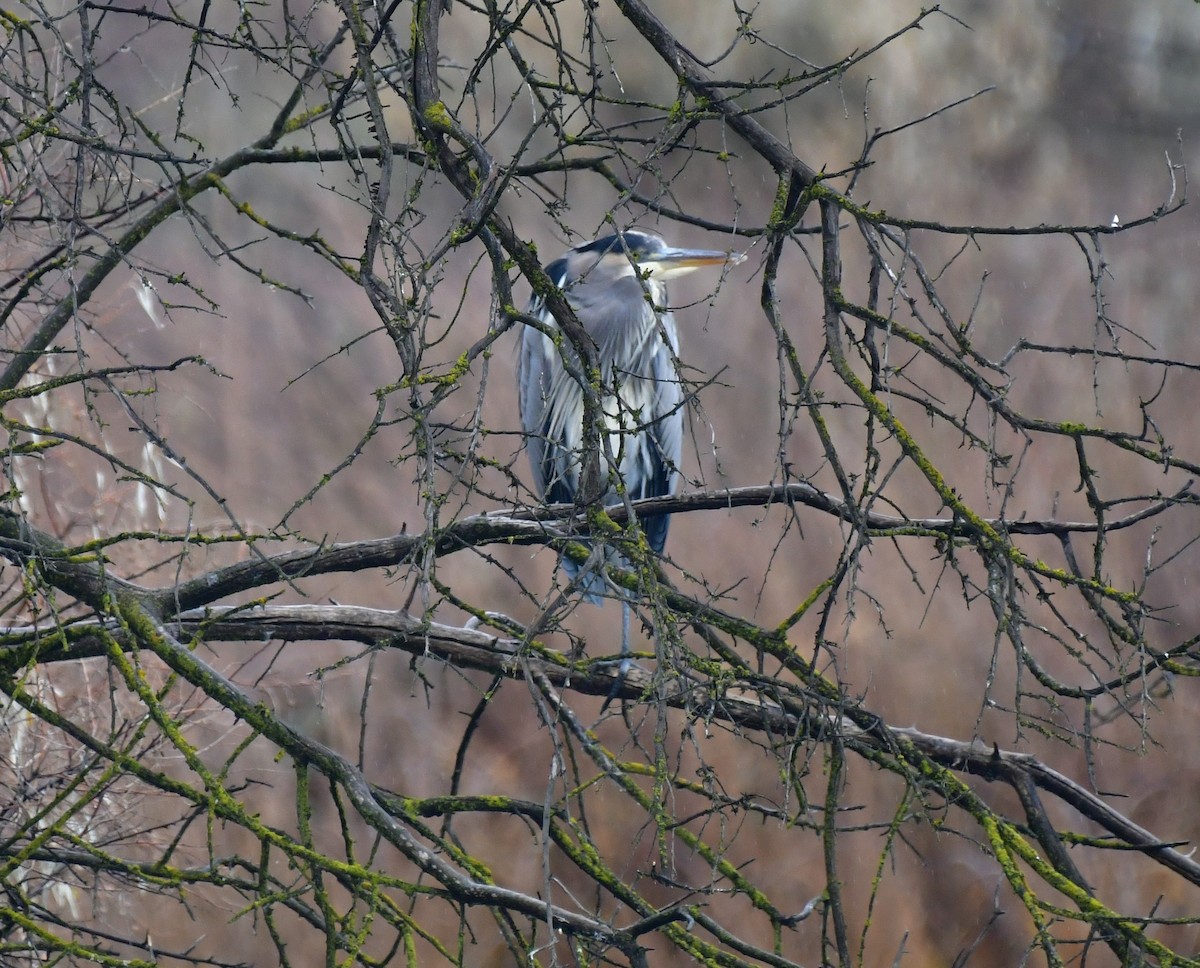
<point>617,288</point>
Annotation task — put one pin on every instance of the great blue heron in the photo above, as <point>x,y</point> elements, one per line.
<point>617,288</point>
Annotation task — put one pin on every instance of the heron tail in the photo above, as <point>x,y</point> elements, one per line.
<point>592,585</point>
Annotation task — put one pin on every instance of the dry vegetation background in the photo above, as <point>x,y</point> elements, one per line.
<point>1090,109</point>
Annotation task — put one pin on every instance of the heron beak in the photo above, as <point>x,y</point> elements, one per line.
<point>676,262</point>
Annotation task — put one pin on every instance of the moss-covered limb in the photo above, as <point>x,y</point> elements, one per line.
<point>697,79</point>
<point>19,25</point>
<point>616,772</point>
<point>830,840</point>
<point>904,759</point>
<point>450,846</point>
<point>69,948</point>
<point>43,125</point>
<point>1059,857</point>
<point>900,816</point>
<point>83,578</point>
<point>790,202</point>
<point>515,529</point>
<point>1011,849</point>
<point>998,403</point>
<point>445,806</point>
<point>986,534</point>
<point>804,607</point>
<point>581,852</point>
<point>314,877</point>
<point>313,242</point>
<point>225,808</point>
<point>992,828</point>
<point>992,764</point>
<point>1009,846</point>
<point>452,882</point>
<point>1091,910</point>
<point>577,847</point>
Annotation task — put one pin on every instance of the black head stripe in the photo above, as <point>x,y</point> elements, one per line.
<point>638,243</point>
<point>601,245</point>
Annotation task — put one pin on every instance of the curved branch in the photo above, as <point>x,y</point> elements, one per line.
<point>552,525</point>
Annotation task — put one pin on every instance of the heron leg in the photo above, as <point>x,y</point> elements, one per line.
<point>626,663</point>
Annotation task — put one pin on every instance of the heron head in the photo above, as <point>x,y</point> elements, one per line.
<point>637,251</point>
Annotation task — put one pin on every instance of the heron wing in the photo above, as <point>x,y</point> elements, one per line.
<point>550,403</point>
<point>660,447</point>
